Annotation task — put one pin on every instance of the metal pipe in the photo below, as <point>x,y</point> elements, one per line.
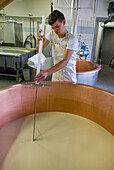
<point>98,41</point>
<point>74,7</point>
<point>72,16</point>
<point>75,21</point>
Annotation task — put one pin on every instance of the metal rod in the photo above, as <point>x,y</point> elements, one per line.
<point>38,71</point>
<point>35,115</point>
<point>40,45</point>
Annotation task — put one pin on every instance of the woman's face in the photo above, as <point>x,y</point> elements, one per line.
<point>59,28</point>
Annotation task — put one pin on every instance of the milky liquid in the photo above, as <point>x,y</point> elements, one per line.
<point>63,142</point>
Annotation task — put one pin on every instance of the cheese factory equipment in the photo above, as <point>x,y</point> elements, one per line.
<point>84,51</point>
<point>30,41</point>
<point>110,11</point>
<point>13,60</point>
<point>77,100</point>
<point>11,34</point>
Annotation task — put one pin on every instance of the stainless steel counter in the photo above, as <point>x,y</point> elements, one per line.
<point>13,60</point>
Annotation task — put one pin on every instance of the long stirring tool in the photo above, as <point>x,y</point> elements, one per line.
<point>38,71</point>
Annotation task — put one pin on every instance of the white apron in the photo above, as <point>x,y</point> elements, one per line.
<point>59,45</point>
<point>67,73</point>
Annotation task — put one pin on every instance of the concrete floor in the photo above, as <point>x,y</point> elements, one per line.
<point>105,79</point>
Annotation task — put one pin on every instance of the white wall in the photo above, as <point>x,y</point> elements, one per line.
<point>86,8</point>
<point>25,7</point>
<point>101,8</point>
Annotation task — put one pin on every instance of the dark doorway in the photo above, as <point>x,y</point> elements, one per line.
<point>107,48</point>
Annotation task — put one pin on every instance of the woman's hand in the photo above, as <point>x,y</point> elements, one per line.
<point>40,36</point>
<point>41,76</point>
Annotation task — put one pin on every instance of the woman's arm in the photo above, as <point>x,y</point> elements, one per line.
<point>43,74</point>
<point>39,38</point>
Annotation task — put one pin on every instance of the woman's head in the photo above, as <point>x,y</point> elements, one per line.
<point>54,16</point>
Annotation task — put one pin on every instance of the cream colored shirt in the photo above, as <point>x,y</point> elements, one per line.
<point>59,45</point>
